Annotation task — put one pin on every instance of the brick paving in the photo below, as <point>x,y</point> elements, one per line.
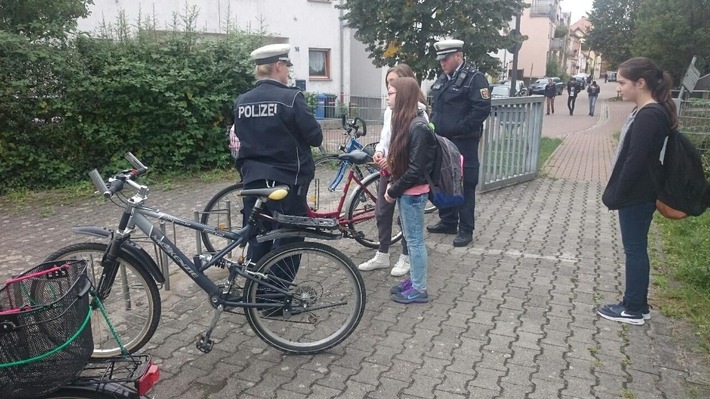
<point>511,316</point>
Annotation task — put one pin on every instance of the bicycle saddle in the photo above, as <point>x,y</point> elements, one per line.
<point>357,157</point>
<point>273,193</point>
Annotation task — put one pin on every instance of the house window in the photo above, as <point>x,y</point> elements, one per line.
<point>319,63</point>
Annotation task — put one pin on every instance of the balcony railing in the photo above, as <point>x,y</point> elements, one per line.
<point>544,8</point>
<point>557,44</point>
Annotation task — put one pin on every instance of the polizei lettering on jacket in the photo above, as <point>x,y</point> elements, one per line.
<point>257,110</point>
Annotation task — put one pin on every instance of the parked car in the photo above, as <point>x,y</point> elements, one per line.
<point>502,90</point>
<point>581,78</point>
<point>538,87</point>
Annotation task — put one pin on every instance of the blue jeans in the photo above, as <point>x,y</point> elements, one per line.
<point>592,104</point>
<point>635,221</point>
<point>411,211</point>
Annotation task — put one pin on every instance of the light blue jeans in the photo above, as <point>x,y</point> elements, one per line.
<point>411,211</point>
<point>592,104</point>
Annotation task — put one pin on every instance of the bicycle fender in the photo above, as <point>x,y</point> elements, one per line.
<point>291,233</point>
<point>134,250</point>
<point>113,389</point>
<point>365,181</point>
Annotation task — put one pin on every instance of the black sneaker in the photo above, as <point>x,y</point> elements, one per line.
<point>618,312</point>
<point>442,228</point>
<point>463,238</point>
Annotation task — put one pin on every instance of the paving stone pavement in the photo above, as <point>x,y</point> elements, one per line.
<point>511,316</point>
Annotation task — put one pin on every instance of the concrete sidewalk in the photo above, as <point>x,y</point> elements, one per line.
<point>512,316</point>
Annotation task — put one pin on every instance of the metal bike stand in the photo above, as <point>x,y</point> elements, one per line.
<point>227,211</point>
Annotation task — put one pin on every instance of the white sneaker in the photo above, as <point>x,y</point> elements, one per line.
<point>379,261</point>
<point>401,267</point>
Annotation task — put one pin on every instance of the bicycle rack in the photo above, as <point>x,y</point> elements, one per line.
<point>227,211</point>
<point>160,257</point>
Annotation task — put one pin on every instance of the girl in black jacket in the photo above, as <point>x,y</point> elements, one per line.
<point>410,159</point>
<point>637,176</point>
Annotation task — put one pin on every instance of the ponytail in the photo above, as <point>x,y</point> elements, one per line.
<point>659,82</point>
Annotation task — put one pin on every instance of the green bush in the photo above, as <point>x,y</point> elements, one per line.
<point>67,109</point>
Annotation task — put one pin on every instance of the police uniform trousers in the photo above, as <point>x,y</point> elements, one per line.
<point>294,204</point>
<point>463,215</point>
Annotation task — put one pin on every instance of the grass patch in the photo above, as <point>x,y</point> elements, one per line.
<point>547,147</point>
<point>683,275</point>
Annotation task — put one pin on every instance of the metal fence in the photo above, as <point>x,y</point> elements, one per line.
<point>509,146</point>
<point>694,118</point>
<point>510,143</point>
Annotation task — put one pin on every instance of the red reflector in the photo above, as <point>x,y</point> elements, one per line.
<point>151,376</point>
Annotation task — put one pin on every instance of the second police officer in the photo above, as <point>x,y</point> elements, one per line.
<point>461,102</point>
<point>276,132</point>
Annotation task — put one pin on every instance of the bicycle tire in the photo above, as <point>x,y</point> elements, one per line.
<point>430,207</point>
<point>90,392</point>
<point>325,278</point>
<point>362,204</point>
<point>327,170</point>
<point>135,326</point>
<point>217,214</point>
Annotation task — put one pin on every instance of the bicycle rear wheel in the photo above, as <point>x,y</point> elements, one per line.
<point>361,214</point>
<point>224,210</point>
<point>133,306</point>
<point>327,304</point>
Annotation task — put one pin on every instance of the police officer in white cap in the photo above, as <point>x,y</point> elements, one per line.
<point>460,103</point>
<point>276,132</point>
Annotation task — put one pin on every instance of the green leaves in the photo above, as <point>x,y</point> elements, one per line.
<point>66,110</point>
<point>396,31</point>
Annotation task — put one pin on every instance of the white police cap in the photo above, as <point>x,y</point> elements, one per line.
<point>446,47</point>
<point>271,54</point>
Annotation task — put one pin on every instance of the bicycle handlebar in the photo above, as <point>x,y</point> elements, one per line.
<point>119,179</point>
<point>349,126</point>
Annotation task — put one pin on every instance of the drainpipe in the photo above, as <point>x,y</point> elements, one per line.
<point>342,56</point>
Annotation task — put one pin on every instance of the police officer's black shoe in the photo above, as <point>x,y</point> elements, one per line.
<point>442,228</point>
<point>463,238</point>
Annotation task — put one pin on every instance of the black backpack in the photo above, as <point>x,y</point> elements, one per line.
<point>685,188</point>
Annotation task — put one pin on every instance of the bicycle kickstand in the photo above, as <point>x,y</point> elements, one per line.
<point>204,342</point>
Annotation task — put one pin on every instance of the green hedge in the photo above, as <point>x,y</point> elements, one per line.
<point>65,109</point>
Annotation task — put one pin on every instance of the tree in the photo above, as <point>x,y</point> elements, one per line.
<point>612,29</point>
<point>396,31</point>
<point>671,32</point>
<point>42,19</point>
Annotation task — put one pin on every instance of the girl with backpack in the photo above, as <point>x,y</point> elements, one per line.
<point>384,211</point>
<point>410,160</point>
<point>632,188</point>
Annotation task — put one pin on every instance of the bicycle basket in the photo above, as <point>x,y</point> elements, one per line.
<point>45,335</point>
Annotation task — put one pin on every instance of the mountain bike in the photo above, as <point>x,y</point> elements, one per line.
<point>300,298</point>
<point>344,188</point>
<point>47,342</point>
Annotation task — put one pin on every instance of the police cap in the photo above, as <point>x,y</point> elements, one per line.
<point>446,47</point>
<point>271,54</point>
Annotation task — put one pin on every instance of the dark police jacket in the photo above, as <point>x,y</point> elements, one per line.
<point>461,104</point>
<point>276,132</point>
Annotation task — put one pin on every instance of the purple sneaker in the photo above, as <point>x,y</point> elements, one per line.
<point>401,287</point>
<point>412,295</point>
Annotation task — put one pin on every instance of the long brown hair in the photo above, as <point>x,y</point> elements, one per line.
<point>404,111</point>
<point>404,71</point>
<point>659,82</point>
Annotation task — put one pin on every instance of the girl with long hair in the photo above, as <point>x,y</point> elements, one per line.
<point>637,176</point>
<point>411,158</point>
<point>384,211</point>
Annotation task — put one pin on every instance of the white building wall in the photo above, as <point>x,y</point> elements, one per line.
<point>303,24</point>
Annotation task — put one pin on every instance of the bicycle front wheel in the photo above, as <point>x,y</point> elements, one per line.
<point>361,214</point>
<point>133,306</point>
<point>328,185</point>
<point>328,298</point>
<point>224,210</point>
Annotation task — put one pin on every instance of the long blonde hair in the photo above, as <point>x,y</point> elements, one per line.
<point>404,111</point>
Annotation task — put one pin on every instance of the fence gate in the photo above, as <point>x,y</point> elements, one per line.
<point>510,143</point>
